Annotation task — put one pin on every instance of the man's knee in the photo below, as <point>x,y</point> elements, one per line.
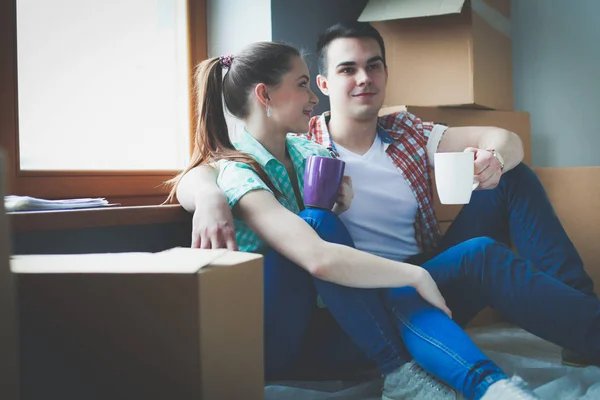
<point>483,247</point>
<point>522,173</point>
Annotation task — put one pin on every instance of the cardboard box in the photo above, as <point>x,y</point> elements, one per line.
<point>180,324</point>
<point>515,121</point>
<point>446,52</point>
<point>9,381</point>
<point>575,195</point>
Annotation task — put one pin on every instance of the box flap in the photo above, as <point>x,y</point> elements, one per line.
<point>173,261</point>
<point>383,10</point>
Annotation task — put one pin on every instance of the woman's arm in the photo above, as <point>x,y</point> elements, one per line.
<point>212,224</point>
<point>289,235</point>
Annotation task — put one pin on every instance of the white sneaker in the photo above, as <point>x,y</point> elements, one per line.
<point>514,388</point>
<point>411,382</point>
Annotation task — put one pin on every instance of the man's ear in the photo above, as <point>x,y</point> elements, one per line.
<point>262,94</point>
<point>322,84</point>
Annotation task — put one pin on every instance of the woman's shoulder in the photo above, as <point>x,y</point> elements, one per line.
<point>235,172</point>
<point>306,146</point>
<point>230,165</point>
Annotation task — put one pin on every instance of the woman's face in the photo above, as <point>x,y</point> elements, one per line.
<point>292,101</point>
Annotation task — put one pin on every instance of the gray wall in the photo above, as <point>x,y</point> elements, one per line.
<point>300,23</point>
<point>556,59</point>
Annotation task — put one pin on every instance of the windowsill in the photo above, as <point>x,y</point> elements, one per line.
<point>96,218</point>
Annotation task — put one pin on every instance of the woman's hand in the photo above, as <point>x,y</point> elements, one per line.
<point>345,196</point>
<point>428,289</point>
<point>212,225</point>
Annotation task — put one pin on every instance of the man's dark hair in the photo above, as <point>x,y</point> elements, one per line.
<point>346,30</point>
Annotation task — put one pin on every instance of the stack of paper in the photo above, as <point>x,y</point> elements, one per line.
<point>26,203</point>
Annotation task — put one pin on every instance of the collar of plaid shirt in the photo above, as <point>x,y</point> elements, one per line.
<point>407,147</point>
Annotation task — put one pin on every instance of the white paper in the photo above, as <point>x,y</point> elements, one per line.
<point>26,203</point>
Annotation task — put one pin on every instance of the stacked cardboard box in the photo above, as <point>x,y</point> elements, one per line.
<point>446,52</point>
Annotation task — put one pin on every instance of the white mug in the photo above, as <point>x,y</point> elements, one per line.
<point>454,174</point>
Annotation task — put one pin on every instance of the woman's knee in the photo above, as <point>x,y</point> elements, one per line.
<point>406,301</point>
<point>328,225</point>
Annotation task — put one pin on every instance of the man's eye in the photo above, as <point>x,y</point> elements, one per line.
<point>374,66</point>
<point>304,84</point>
<point>347,70</point>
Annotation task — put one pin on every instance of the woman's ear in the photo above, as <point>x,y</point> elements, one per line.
<point>262,94</point>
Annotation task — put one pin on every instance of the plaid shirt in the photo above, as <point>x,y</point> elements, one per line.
<point>236,179</point>
<point>406,137</point>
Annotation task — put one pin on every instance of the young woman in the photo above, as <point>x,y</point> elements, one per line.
<point>383,306</point>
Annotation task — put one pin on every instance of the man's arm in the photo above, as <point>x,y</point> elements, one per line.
<point>212,224</point>
<point>506,143</point>
<point>496,150</point>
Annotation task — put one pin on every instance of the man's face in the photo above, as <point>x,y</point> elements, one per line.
<point>356,77</point>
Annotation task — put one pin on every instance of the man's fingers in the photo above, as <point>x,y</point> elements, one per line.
<point>485,175</point>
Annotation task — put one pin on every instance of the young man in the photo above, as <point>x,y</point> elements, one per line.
<point>388,159</point>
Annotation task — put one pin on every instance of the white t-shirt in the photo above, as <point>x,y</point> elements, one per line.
<point>382,215</point>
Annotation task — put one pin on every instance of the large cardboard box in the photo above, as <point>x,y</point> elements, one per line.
<point>9,383</point>
<point>446,52</point>
<point>180,324</point>
<point>575,195</point>
<point>514,121</point>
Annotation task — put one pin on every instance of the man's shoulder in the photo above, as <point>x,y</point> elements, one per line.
<point>399,120</point>
<point>317,127</point>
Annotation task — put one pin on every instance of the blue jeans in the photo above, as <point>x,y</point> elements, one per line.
<point>553,299</point>
<point>370,324</point>
<point>517,212</point>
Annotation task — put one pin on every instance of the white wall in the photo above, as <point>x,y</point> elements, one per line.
<point>231,25</point>
<point>556,59</point>
<point>234,23</point>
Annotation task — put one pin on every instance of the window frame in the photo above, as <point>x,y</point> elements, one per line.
<point>125,187</point>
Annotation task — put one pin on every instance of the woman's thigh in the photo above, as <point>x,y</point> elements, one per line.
<point>289,303</point>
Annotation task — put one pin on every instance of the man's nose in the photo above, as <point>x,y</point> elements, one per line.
<point>362,78</point>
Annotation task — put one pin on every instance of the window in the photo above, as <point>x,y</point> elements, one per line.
<point>98,94</point>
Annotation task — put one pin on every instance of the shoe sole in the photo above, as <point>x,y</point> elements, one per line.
<point>575,364</point>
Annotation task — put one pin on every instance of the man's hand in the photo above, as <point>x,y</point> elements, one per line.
<point>488,169</point>
<point>345,196</point>
<point>212,225</point>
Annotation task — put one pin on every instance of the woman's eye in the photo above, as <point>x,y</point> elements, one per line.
<point>304,84</point>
